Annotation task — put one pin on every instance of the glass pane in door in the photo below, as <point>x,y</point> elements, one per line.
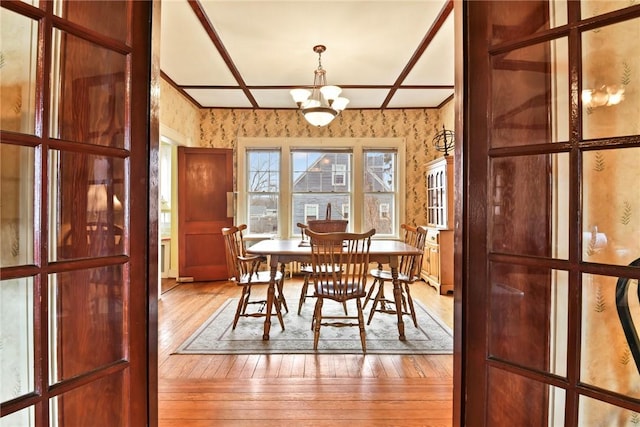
<point>591,8</point>
<point>18,58</point>
<point>515,19</point>
<point>610,83</point>
<point>87,323</point>
<point>530,95</point>
<point>22,418</point>
<point>514,398</point>
<point>606,318</point>
<point>91,14</point>
<point>97,86</point>
<point>529,211</point>
<point>90,219</point>
<point>597,413</point>
<point>16,339</point>
<point>528,318</point>
<point>17,183</point>
<point>611,206</point>
<point>105,408</point>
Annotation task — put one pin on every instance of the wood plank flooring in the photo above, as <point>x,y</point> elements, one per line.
<point>297,390</point>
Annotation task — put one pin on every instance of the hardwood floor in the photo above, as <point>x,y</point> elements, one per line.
<point>300,390</point>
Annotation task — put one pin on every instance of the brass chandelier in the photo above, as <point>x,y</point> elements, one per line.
<point>322,103</point>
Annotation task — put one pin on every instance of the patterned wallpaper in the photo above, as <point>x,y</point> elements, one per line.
<point>220,128</point>
<point>178,113</point>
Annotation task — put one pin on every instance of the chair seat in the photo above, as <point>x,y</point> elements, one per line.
<point>386,275</point>
<point>259,278</point>
<point>352,291</point>
<point>307,268</point>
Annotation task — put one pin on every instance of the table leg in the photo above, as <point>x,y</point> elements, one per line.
<point>397,296</point>
<point>271,292</point>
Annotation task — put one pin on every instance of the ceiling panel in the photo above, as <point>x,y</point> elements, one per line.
<point>373,49</point>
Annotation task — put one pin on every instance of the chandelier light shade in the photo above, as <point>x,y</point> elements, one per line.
<point>322,103</point>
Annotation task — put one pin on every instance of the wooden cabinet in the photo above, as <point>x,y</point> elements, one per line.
<point>437,263</point>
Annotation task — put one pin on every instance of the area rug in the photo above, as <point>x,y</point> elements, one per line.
<point>216,336</point>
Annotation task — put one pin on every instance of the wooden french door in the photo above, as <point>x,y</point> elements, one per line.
<point>205,206</point>
<point>76,297</point>
<point>547,330</point>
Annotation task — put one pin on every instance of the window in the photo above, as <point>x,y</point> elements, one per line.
<point>380,191</point>
<point>345,211</point>
<point>262,191</point>
<point>358,177</point>
<point>339,174</point>
<point>310,212</point>
<point>384,210</point>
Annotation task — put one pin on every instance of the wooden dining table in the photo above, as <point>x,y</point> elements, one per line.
<point>386,252</point>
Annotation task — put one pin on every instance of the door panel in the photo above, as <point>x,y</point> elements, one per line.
<point>542,343</point>
<point>79,282</point>
<point>205,178</point>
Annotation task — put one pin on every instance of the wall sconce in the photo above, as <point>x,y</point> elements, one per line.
<point>604,96</point>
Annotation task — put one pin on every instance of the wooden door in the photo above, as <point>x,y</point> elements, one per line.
<point>205,182</point>
<point>77,324</point>
<point>544,144</point>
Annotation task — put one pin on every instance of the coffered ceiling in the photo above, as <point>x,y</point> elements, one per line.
<point>250,54</point>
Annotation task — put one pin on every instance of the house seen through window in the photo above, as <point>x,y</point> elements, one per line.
<point>286,185</point>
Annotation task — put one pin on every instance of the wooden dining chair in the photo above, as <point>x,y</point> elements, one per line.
<point>262,258</point>
<point>306,269</point>
<point>244,271</point>
<point>350,251</point>
<point>408,272</point>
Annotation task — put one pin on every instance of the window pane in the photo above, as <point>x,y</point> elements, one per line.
<point>19,37</point>
<point>264,171</point>
<point>88,320</point>
<point>263,185</point>
<point>16,339</point>
<point>89,219</point>
<point>321,171</point>
<point>530,95</point>
<point>612,366</point>
<point>303,201</point>
<point>89,107</point>
<point>611,206</point>
<point>379,213</point>
<point>610,86</point>
<point>530,213</point>
<point>528,321</point>
<point>380,171</point>
<point>16,204</point>
<point>263,213</point>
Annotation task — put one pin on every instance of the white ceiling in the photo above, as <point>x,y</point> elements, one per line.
<point>249,54</point>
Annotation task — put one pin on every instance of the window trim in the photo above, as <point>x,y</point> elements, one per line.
<point>285,145</point>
